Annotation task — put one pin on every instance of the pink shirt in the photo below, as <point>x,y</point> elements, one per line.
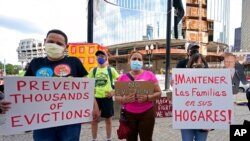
<point>136,107</point>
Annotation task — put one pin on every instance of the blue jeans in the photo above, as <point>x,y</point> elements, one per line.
<point>193,135</point>
<point>60,133</point>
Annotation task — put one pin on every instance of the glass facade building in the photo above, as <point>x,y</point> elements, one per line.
<point>219,12</point>
<point>136,20</point>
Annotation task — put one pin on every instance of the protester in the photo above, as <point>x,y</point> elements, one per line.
<point>192,49</point>
<point>105,77</point>
<point>195,61</point>
<point>139,109</point>
<point>55,45</point>
<point>237,71</point>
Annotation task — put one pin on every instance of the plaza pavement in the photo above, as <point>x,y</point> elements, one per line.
<point>162,132</point>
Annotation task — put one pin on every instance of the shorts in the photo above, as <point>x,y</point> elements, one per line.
<point>106,107</point>
<point>60,133</point>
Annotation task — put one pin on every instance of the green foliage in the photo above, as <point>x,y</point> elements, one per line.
<point>12,69</point>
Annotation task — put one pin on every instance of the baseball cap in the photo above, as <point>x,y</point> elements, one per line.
<point>193,46</point>
<point>100,52</point>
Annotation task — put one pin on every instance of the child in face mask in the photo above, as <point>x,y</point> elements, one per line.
<point>139,105</point>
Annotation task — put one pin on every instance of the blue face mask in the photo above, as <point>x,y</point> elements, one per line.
<point>136,65</point>
<point>101,60</point>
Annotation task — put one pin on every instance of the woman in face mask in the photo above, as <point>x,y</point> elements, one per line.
<point>139,109</point>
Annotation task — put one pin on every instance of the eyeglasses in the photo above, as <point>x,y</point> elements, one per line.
<point>139,59</point>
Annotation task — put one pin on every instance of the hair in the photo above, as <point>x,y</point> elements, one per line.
<point>194,58</point>
<point>227,54</point>
<point>58,32</point>
<point>133,52</point>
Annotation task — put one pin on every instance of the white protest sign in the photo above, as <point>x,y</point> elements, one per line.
<point>202,99</point>
<point>47,102</point>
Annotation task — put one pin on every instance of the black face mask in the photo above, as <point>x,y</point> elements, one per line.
<point>192,52</point>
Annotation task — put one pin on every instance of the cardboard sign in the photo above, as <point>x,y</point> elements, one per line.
<point>47,102</point>
<point>138,87</point>
<point>163,107</point>
<point>202,99</point>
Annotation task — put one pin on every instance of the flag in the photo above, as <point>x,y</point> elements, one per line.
<point>179,13</point>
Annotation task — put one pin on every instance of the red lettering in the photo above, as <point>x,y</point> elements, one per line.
<point>66,85</point>
<point>47,97</point>
<point>56,86</point>
<point>63,97</point>
<point>38,97</point>
<point>209,115</point>
<point>178,115</point>
<point>45,85</point>
<point>76,85</point>
<point>201,116</point>
<point>20,84</point>
<point>43,117</point>
<point>29,121</point>
<point>29,97</point>
<point>15,96</point>
<point>14,121</point>
<point>55,115</point>
<point>193,115</point>
<point>69,115</point>
<point>87,113</point>
<point>85,85</point>
<point>222,113</point>
<point>86,95</point>
<point>33,85</point>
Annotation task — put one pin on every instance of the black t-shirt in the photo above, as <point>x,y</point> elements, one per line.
<point>66,67</point>
<point>182,63</point>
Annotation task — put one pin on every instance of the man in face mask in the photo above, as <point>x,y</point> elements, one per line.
<point>56,64</point>
<point>192,49</point>
<point>105,77</point>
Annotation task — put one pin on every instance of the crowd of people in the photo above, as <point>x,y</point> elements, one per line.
<point>140,110</point>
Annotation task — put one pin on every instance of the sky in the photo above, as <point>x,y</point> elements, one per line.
<point>21,19</point>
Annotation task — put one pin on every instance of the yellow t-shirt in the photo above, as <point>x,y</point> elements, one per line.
<point>102,82</point>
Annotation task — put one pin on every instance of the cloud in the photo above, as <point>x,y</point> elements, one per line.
<point>22,19</point>
<point>18,25</point>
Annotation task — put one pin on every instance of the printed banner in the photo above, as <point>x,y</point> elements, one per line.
<point>47,102</point>
<point>202,99</point>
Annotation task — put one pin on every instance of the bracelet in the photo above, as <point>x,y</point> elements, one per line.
<point>147,97</point>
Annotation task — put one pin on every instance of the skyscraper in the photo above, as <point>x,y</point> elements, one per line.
<point>245,26</point>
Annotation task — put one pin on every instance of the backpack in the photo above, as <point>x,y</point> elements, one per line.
<point>109,73</point>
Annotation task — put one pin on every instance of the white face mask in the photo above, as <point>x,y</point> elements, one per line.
<point>54,51</point>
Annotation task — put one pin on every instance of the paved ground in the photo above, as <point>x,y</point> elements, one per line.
<point>163,129</point>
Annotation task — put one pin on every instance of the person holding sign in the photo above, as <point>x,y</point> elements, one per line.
<point>56,64</point>
<point>196,61</point>
<point>139,108</point>
<point>104,76</point>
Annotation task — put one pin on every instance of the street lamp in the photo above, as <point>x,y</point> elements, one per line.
<point>149,51</point>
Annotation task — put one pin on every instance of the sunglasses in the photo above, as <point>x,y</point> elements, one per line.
<point>139,59</point>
